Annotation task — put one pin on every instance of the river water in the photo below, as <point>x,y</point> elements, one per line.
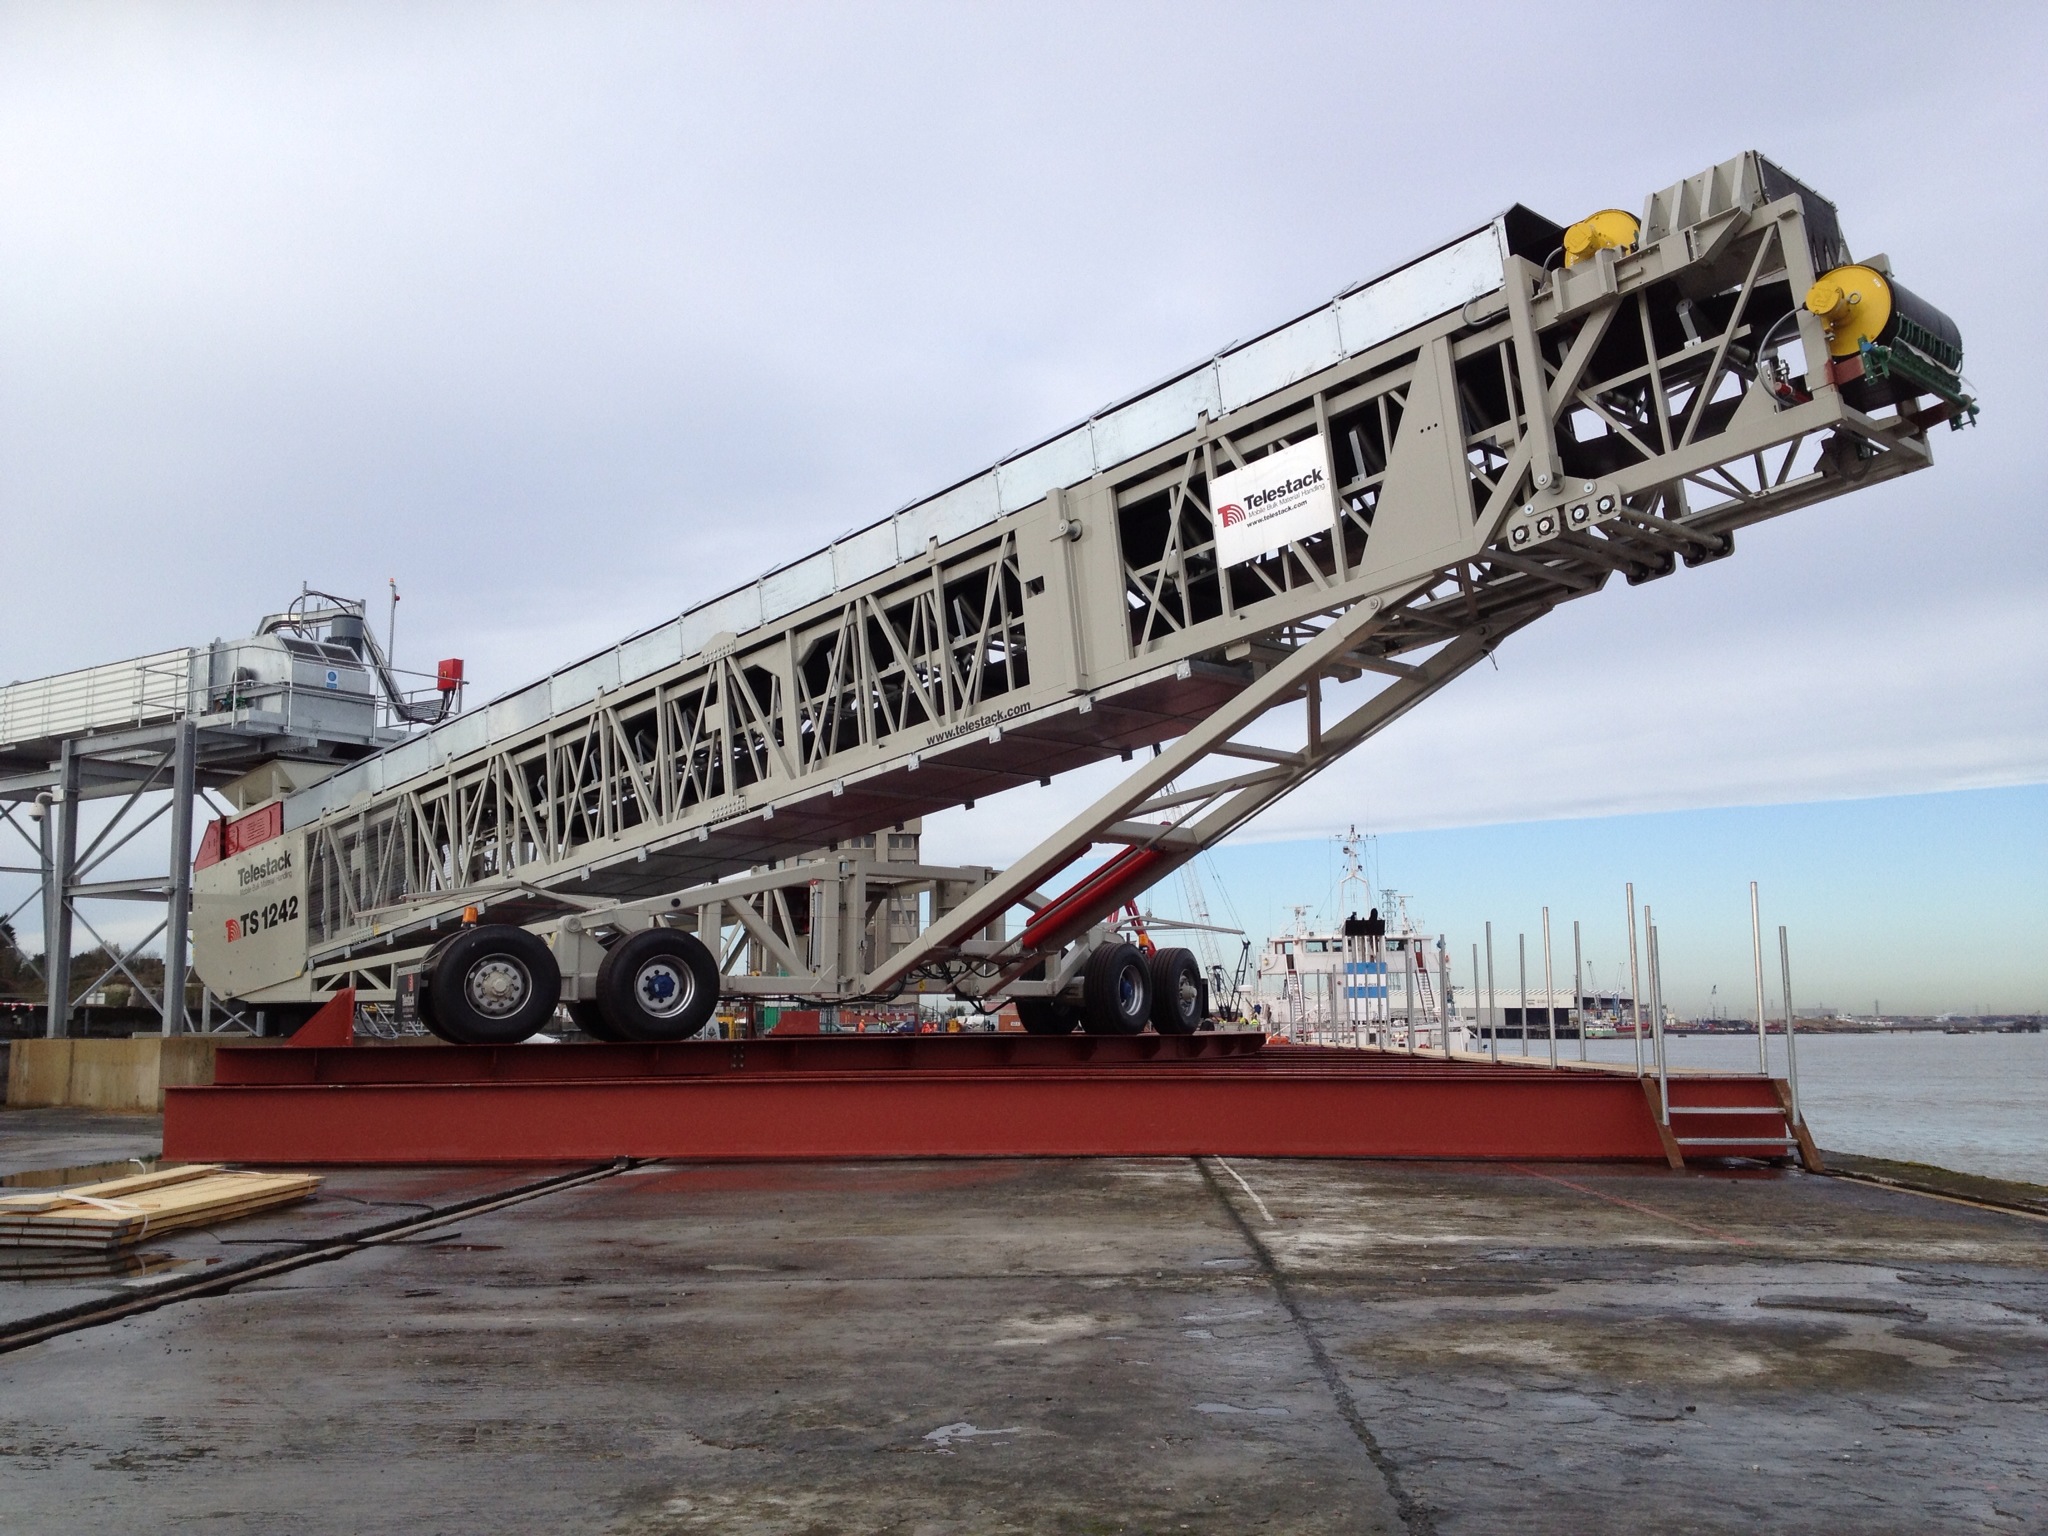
<point>1976,1103</point>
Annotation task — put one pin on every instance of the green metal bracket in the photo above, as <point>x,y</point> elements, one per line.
<point>1923,374</point>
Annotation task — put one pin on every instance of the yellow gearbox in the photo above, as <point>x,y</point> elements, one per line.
<point>1609,229</point>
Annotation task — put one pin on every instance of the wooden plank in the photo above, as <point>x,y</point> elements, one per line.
<point>144,1206</point>
<point>110,1189</point>
<point>105,1220</point>
<point>206,1191</point>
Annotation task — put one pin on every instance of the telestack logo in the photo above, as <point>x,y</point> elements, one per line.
<point>253,873</point>
<point>1273,501</point>
<point>1286,490</point>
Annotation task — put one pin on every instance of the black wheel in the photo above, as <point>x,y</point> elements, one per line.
<point>1116,991</point>
<point>1046,1016</point>
<point>1176,992</point>
<point>589,1017</point>
<point>658,985</point>
<point>424,1004</point>
<point>493,985</point>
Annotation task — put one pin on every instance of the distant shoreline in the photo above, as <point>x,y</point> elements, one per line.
<point>2023,1024</point>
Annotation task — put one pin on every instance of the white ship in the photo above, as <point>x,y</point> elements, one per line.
<point>1376,980</point>
<point>1382,981</point>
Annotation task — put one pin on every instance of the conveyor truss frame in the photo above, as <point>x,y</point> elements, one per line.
<point>1096,622</point>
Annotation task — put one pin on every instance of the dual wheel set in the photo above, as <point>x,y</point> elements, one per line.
<point>1122,990</point>
<point>496,984</point>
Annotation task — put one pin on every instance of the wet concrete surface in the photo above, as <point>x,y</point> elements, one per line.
<point>351,1204</point>
<point>1081,1346</point>
<point>1942,1181</point>
<point>69,1138</point>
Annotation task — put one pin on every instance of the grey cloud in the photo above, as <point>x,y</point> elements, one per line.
<point>569,317</point>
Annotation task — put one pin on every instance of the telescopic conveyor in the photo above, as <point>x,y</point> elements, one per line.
<point>1381,490</point>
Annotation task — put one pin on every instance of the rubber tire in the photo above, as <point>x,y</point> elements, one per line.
<point>1176,992</point>
<point>626,960</point>
<point>425,1006</point>
<point>457,1019</point>
<point>589,1017</point>
<point>1116,991</point>
<point>1046,1016</point>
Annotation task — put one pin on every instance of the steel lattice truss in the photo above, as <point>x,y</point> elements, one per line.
<point>1618,417</point>
<point>932,650</point>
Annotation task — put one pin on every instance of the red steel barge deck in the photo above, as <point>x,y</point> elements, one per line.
<point>860,1097</point>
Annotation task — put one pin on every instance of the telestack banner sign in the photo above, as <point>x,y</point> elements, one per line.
<point>1272,502</point>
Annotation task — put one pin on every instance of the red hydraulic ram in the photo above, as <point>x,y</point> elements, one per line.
<point>1103,891</point>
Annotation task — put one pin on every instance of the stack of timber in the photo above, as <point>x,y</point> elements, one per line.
<point>106,1217</point>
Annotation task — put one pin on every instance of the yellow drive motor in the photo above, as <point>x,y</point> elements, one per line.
<point>1609,229</point>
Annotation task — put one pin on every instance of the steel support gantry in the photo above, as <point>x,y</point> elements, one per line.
<point>144,738</point>
<point>151,774</point>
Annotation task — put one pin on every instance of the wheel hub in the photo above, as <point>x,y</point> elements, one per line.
<point>663,988</point>
<point>497,986</point>
<point>1130,991</point>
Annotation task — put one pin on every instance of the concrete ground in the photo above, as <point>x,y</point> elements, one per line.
<point>1061,1346</point>
<point>33,1139</point>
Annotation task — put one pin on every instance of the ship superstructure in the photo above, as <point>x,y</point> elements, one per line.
<point>1377,980</point>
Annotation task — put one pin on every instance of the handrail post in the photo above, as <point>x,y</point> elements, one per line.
<point>1408,990</point>
<point>1492,1003</point>
<point>1522,948</point>
<point>1657,1017</point>
<point>1756,947</point>
<point>1549,988</point>
<point>1475,986</point>
<point>1443,995</point>
<point>1791,1049</point>
<point>1578,987</point>
<point>1549,992</point>
<point>1635,984</point>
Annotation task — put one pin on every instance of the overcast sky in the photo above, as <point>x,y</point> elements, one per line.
<point>569,316</point>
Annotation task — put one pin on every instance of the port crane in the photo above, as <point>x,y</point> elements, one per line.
<point>1378,492</point>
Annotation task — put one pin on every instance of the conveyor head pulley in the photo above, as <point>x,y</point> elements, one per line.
<point>1887,342</point>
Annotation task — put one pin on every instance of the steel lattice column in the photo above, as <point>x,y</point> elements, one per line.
<point>177,918</point>
<point>60,858</point>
